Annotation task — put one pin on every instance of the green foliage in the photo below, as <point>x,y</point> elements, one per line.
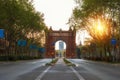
<point>107,10</point>
<point>18,18</point>
<point>68,63</point>
<point>92,8</point>
<point>52,62</point>
<point>15,58</point>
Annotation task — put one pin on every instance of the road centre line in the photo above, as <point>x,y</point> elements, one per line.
<point>77,74</point>
<point>43,73</point>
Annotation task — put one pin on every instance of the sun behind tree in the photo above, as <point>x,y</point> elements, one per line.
<point>99,28</point>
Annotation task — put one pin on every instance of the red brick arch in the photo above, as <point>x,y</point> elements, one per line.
<point>67,36</point>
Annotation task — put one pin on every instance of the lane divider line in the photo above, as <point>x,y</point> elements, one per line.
<point>77,74</point>
<point>43,73</point>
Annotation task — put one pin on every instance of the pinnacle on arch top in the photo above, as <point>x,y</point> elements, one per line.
<point>50,28</point>
<point>70,29</point>
<point>60,29</point>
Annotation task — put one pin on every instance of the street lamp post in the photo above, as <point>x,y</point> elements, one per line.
<point>113,41</point>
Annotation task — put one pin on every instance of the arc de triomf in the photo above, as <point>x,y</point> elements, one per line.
<point>67,36</point>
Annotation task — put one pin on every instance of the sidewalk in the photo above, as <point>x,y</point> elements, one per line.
<point>60,71</point>
<point>104,63</point>
<point>61,62</point>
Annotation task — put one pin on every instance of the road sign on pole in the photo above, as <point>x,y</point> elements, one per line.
<point>32,46</point>
<point>2,33</point>
<point>42,50</point>
<point>113,41</point>
<point>22,43</point>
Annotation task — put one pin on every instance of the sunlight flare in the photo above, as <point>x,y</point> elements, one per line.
<point>99,27</point>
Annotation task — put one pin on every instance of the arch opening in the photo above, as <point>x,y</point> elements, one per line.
<point>60,48</point>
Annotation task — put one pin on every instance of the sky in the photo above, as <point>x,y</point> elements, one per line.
<point>56,12</point>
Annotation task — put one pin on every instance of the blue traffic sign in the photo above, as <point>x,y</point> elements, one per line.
<point>2,35</point>
<point>42,50</point>
<point>22,42</point>
<point>32,46</point>
<point>113,41</point>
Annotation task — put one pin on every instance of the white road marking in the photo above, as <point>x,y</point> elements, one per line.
<point>77,74</point>
<point>42,74</point>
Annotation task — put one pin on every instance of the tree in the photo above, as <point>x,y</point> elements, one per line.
<point>88,12</point>
<point>18,18</point>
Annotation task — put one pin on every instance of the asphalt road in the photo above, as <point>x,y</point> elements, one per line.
<point>59,72</point>
<point>91,70</point>
<point>35,70</point>
<point>22,70</point>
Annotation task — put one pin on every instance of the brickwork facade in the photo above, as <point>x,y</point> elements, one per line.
<point>67,36</point>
